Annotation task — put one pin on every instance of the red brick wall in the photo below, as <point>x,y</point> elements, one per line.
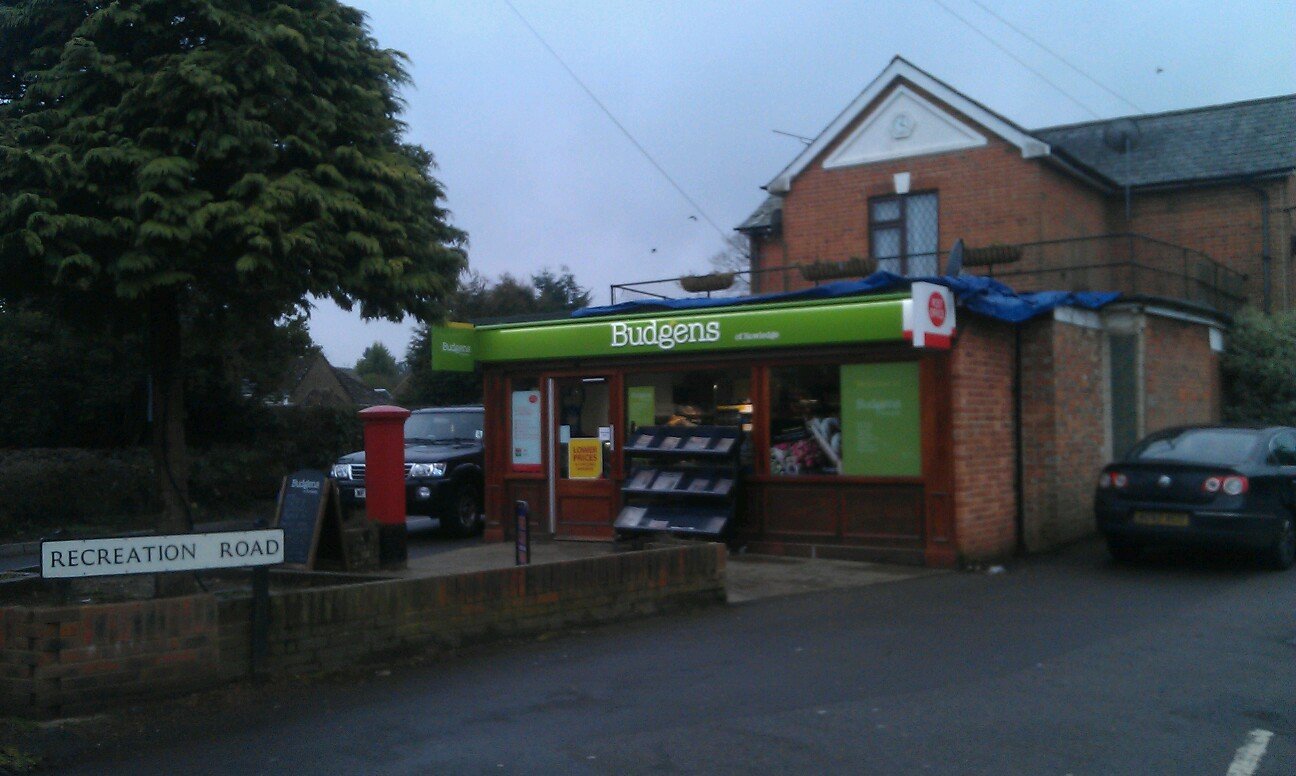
<point>984,501</point>
<point>1224,222</point>
<point>1064,430</point>
<point>72,659</point>
<point>1039,430</point>
<point>1181,374</point>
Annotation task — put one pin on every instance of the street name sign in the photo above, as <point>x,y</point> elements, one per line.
<point>156,554</point>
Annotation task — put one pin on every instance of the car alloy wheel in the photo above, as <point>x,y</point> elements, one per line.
<point>466,509</point>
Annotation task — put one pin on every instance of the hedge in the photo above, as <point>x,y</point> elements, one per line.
<point>46,488</point>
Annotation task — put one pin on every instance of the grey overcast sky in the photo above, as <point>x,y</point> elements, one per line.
<point>539,177</point>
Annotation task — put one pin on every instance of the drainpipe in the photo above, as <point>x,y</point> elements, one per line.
<point>1266,261</point>
<point>1019,488</point>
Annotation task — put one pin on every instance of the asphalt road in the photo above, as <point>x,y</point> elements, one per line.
<point>1065,664</point>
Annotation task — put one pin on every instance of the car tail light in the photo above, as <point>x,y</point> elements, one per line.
<point>1230,484</point>
<point>1112,480</point>
<point>1235,486</point>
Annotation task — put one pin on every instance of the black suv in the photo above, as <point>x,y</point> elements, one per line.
<point>443,468</point>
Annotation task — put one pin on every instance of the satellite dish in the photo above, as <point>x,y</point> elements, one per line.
<point>1121,136</point>
<point>954,264</point>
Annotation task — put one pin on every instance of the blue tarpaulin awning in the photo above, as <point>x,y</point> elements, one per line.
<point>980,295</point>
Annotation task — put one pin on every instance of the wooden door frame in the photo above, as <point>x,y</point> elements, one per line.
<point>615,377</point>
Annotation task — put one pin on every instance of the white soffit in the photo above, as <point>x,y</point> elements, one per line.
<point>904,125</point>
<point>1031,146</point>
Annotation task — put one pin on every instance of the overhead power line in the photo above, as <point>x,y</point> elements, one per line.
<point>1058,56</point>
<point>1014,58</point>
<point>723,234</point>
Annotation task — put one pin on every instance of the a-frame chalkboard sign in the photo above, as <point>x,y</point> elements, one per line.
<point>310,514</point>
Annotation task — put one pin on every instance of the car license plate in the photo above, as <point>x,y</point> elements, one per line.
<point>359,492</point>
<point>1174,519</point>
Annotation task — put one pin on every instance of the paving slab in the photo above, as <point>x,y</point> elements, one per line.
<point>753,577</point>
<point>748,577</point>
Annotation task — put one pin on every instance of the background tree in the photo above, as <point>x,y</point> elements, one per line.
<point>734,257</point>
<point>477,299</point>
<point>378,368</point>
<point>166,164</point>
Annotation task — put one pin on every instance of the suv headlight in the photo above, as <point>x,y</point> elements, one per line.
<point>427,470</point>
<point>341,471</point>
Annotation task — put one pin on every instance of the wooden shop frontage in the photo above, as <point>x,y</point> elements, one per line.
<point>834,422</point>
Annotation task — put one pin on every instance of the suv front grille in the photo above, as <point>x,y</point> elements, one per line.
<point>358,471</point>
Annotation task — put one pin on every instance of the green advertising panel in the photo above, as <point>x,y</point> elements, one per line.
<point>454,348</point>
<point>641,405</point>
<point>694,331</point>
<point>881,432</point>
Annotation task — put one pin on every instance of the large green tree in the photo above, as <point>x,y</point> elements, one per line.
<point>172,163</point>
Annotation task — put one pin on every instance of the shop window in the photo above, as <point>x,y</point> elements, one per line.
<point>859,420</point>
<point>694,398</point>
<point>903,234</point>
<point>805,420</point>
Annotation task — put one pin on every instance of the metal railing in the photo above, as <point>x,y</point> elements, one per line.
<point>1134,264</point>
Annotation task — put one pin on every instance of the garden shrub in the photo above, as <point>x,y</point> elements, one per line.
<point>46,488</point>
<point>1259,369</point>
<point>42,489</point>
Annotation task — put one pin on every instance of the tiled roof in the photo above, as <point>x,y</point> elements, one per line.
<point>1237,140</point>
<point>355,387</point>
<point>764,216</point>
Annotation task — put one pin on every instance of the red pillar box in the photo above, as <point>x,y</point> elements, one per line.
<point>384,438</point>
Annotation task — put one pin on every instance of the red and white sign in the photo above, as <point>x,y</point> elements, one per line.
<point>929,316</point>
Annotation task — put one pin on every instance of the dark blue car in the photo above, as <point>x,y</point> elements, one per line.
<point>1213,486</point>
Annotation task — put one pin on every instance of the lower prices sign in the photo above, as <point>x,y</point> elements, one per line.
<point>155,554</point>
<point>584,459</point>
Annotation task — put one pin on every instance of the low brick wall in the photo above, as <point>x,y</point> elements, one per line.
<point>328,628</point>
<point>74,659</point>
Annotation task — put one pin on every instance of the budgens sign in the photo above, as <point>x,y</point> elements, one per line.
<point>663,334</point>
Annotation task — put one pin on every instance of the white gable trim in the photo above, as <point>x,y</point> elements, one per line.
<point>930,130</point>
<point>1031,147</point>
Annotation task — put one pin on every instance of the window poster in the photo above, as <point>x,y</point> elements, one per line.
<point>584,459</point>
<point>881,429</point>
<point>641,405</point>
<point>526,430</point>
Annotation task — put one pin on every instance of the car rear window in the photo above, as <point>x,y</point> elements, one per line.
<point>1225,446</point>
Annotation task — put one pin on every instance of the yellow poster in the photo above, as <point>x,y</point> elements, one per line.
<point>584,459</point>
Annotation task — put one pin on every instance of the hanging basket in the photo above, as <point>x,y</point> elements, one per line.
<point>716,281</point>
<point>855,267</point>
<point>991,254</point>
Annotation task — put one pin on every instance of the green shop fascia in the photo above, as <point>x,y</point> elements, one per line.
<point>835,405</point>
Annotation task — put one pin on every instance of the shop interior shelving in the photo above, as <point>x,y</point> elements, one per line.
<point>683,480</point>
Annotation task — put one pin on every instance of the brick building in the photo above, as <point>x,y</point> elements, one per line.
<point>1189,214</point>
<point>1194,205</point>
